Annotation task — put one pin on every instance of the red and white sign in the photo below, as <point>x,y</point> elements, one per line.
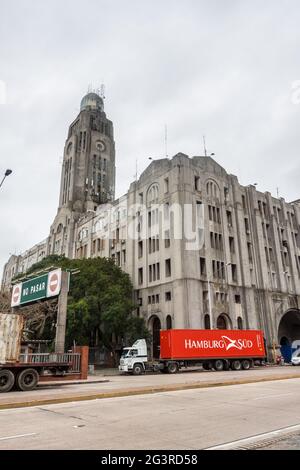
<point>16,295</point>
<point>54,283</point>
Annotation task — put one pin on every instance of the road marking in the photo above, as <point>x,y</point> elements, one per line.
<point>17,436</point>
<point>257,439</point>
<point>273,396</point>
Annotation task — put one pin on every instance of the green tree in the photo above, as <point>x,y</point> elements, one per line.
<point>100,303</point>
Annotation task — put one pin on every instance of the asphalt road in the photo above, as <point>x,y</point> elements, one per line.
<point>126,384</point>
<point>189,419</point>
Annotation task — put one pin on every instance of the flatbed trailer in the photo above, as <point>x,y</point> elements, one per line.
<point>24,375</point>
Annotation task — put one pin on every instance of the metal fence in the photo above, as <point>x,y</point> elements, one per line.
<point>73,359</point>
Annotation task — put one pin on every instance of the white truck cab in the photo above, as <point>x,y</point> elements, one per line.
<point>134,359</point>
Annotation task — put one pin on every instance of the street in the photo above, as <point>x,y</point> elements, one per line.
<point>184,419</point>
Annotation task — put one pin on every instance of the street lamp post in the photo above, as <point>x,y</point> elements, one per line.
<point>7,173</point>
<point>209,296</point>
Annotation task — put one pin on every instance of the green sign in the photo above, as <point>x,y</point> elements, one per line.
<point>38,288</point>
<point>35,289</point>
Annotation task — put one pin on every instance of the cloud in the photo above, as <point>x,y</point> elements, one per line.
<point>223,69</point>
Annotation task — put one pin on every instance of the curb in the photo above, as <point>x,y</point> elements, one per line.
<point>142,391</point>
<point>61,384</point>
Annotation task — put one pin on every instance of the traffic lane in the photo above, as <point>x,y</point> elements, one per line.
<point>129,382</point>
<point>192,419</point>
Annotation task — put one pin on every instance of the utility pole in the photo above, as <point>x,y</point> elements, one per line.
<point>62,313</point>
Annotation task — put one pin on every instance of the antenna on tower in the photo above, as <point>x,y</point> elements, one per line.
<point>102,91</point>
<point>136,170</point>
<point>166,141</point>
<point>204,145</point>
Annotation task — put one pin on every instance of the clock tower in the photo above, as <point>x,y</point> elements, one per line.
<point>88,171</point>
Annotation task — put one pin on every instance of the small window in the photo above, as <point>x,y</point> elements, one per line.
<point>237,299</point>
<point>140,249</point>
<point>166,185</point>
<point>234,272</point>
<point>207,322</point>
<point>168,296</point>
<point>169,322</point>
<point>240,323</point>
<point>202,266</point>
<point>231,245</point>
<point>168,267</point>
<point>140,276</point>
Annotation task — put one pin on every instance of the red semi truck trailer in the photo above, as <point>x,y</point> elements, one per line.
<point>213,349</point>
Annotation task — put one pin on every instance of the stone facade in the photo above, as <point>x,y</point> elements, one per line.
<point>245,273</point>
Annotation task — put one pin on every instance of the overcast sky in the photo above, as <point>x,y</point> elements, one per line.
<point>223,68</point>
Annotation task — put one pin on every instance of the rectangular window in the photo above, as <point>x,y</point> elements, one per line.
<point>157,298</point>
<point>153,299</point>
<point>237,299</point>
<point>212,240</point>
<point>168,296</point>
<point>140,276</point>
<point>197,183</point>
<point>158,271</point>
<point>167,239</point>
<point>140,249</point>
<point>149,299</point>
<point>250,257</point>
<point>234,272</point>
<point>166,185</point>
<point>231,245</point>
<point>150,273</point>
<point>229,218</point>
<point>202,267</point>
<point>247,227</point>
<point>243,201</point>
<point>124,256</point>
<point>154,272</point>
<point>168,267</point>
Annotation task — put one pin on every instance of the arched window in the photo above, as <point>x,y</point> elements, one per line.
<point>69,148</point>
<point>222,322</point>
<point>207,322</point>
<point>240,323</point>
<point>212,189</point>
<point>152,194</point>
<point>59,228</point>
<point>169,322</point>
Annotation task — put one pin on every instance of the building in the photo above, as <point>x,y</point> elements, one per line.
<point>243,271</point>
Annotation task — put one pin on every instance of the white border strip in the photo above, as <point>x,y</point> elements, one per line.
<point>256,439</point>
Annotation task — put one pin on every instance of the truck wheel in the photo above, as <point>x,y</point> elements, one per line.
<point>173,367</point>
<point>246,364</point>
<point>27,380</point>
<point>7,380</point>
<point>236,365</point>
<point>137,369</point>
<point>207,365</point>
<point>219,365</point>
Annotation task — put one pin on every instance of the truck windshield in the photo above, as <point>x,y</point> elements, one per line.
<point>129,352</point>
<point>125,352</point>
